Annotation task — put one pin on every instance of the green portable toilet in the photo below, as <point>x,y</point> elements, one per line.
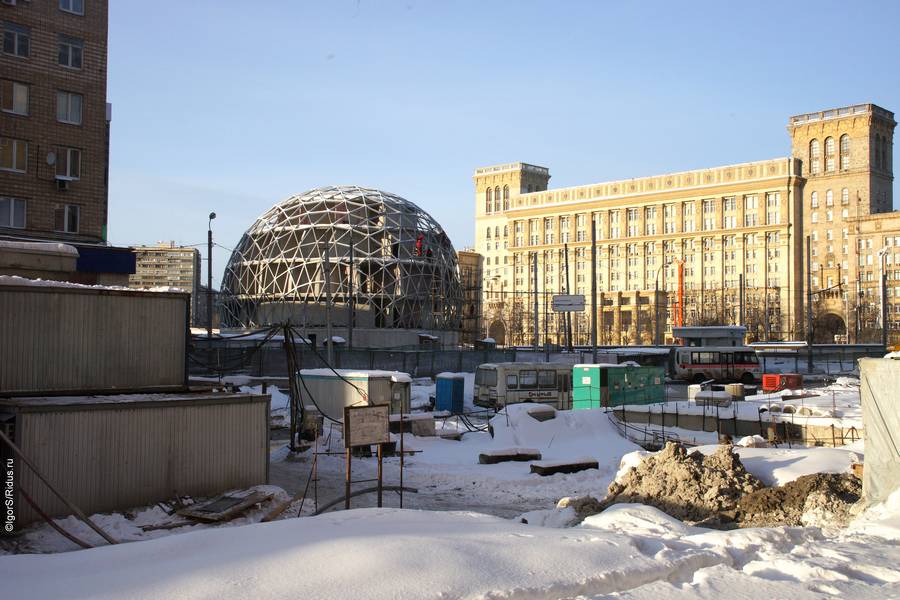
<point>589,386</point>
<point>585,387</point>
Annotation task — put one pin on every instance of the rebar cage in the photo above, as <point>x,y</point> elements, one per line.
<point>381,252</point>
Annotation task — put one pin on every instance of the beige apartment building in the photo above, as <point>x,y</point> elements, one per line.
<point>728,229</point>
<point>168,265</point>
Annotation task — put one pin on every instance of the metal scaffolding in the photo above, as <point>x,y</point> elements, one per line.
<point>378,254</point>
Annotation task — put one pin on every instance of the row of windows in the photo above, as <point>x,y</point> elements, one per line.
<point>13,211</point>
<point>14,99</point>
<point>17,42</point>
<point>14,157</point>
<point>815,155</point>
<point>493,198</point>
<point>829,198</point>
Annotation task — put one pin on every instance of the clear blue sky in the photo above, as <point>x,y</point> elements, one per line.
<point>231,106</point>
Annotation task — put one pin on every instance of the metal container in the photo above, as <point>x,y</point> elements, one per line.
<point>596,386</point>
<point>109,453</point>
<point>329,391</point>
<point>78,340</point>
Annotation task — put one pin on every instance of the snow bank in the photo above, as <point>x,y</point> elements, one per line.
<point>630,551</point>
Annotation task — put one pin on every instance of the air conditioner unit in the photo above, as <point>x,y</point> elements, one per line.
<point>62,182</point>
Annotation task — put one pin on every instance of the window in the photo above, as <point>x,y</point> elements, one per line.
<point>505,197</point>
<point>773,208</point>
<point>13,154</point>
<point>547,379</point>
<point>528,379</point>
<point>71,51</point>
<point>72,6</point>
<point>68,163</point>
<point>12,213</point>
<point>67,218</point>
<point>488,200</point>
<point>814,199</point>
<point>68,107</point>
<point>512,382</point>
<point>829,154</point>
<point>814,157</point>
<point>16,40</point>
<point>829,198</point>
<point>13,97</point>
<point>497,199</point>
<point>845,152</point>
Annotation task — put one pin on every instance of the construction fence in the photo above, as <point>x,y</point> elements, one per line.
<point>227,357</point>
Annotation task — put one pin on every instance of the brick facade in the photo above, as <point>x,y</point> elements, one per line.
<point>41,72</point>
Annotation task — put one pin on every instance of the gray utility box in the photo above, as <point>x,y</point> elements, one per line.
<point>330,391</point>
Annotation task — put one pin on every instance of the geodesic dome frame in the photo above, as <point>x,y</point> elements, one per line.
<point>383,253</point>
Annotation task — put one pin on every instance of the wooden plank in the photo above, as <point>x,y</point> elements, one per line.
<point>513,454</point>
<point>545,469</point>
<point>232,509</point>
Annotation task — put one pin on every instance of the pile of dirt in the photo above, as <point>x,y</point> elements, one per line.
<point>818,499</point>
<point>717,491</point>
<point>692,487</point>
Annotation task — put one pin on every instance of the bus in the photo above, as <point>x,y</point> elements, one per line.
<point>720,363</point>
<point>499,384</point>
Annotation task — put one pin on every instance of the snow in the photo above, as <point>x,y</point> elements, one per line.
<point>777,466</point>
<point>39,247</point>
<point>632,551</point>
<point>629,550</point>
<point>396,376</point>
<point>16,280</point>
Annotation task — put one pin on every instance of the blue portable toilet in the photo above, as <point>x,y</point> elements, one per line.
<point>450,393</point>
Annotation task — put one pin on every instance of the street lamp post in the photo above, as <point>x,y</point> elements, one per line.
<point>209,302</point>
<point>882,288</point>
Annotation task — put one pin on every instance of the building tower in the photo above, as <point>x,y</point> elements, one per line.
<point>497,190</point>
<point>846,156</point>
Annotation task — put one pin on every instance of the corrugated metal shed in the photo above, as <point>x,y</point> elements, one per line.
<point>77,340</point>
<point>115,452</point>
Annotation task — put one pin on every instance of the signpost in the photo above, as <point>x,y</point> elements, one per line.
<point>568,303</point>
<point>365,426</point>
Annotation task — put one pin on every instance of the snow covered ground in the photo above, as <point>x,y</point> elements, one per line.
<point>630,551</point>
<point>463,537</point>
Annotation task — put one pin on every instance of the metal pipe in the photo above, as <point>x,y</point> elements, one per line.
<point>536,330</point>
<point>593,289</point>
<point>809,319</point>
<point>209,288</point>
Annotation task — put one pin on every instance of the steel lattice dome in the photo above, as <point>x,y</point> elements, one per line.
<point>404,270</point>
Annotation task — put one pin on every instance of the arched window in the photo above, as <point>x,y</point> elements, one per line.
<point>829,198</point>
<point>488,202</point>
<point>814,199</point>
<point>814,157</point>
<point>497,231</point>
<point>845,196</point>
<point>829,154</point>
<point>845,152</point>
<point>505,230</point>
<point>505,197</point>
<point>497,199</point>
<point>488,234</point>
